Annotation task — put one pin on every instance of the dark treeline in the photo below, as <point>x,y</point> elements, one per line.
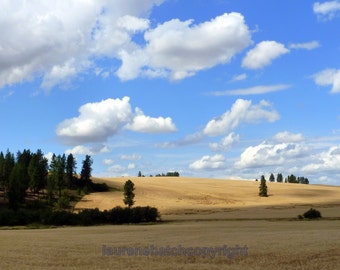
<point>29,177</point>
<point>168,174</point>
<point>87,217</point>
<point>289,179</point>
<point>37,191</point>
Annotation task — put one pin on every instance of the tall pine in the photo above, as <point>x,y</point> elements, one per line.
<point>263,187</point>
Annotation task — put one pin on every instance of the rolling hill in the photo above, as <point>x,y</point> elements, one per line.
<point>186,198</point>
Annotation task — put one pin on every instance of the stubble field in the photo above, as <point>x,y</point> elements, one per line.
<point>196,213</point>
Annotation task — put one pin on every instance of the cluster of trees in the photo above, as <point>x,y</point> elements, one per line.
<point>48,216</point>
<point>168,174</point>
<point>289,179</point>
<point>263,189</point>
<point>87,217</point>
<point>29,175</point>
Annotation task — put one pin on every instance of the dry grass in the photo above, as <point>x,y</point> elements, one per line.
<point>199,213</point>
<point>271,245</point>
<point>196,198</point>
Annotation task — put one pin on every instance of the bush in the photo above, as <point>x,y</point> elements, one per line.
<point>89,217</point>
<point>59,218</point>
<point>63,202</point>
<point>99,187</point>
<point>312,214</point>
<point>9,217</point>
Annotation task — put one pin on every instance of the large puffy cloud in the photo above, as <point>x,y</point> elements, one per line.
<point>270,154</point>
<point>147,124</point>
<point>263,54</point>
<point>56,40</point>
<point>241,111</point>
<point>326,9</point>
<point>179,48</point>
<point>329,77</point>
<point>100,120</point>
<point>327,161</point>
<point>209,163</point>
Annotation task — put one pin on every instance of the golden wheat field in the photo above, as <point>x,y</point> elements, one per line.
<point>216,224</point>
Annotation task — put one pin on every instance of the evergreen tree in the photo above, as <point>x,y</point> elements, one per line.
<point>38,172</point>
<point>302,180</point>
<point>71,166</point>
<point>271,178</point>
<point>263,187</point>
<point>2,164</point>
<point>57,172</point>
<point>279,178</point>
<point>85,175</point>
<point>129,195</point>
<point>6,170</point>
<point>291,179</point>
<point>17,188</point>
<point>24,158</point>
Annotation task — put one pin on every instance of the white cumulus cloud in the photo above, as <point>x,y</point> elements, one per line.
<point>270,154</point>
<point>170,50</point>
<point>87,150</point>
<point>286,137</point>
<point>328,77</point>
<point>209,163</point>
<point>56,41</point>
<point>263,54</point>
<point>100,120</point>
<point>326,10</point>
<point>327,161</point>
<point>226,142</point>
<point>241,111</point>
<point>147,124</point>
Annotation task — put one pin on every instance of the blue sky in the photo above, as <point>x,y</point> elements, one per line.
<point>222,89</point>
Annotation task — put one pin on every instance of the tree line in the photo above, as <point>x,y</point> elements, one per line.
<point>29,175</point>
<point>168,174</point>
<point>289,179</point>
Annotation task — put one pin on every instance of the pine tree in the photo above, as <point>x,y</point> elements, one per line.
<point>85,175</point>
<point>129,187</point>
<point>271,178</point>
<point>279,178</point>
<point>71,166</point>
<point>57,173</point>
<point>263,187</point>
<point>8,165</point>
<point>17,188</point>
<point>38,171</point>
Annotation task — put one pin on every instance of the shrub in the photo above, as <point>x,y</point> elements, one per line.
<point>312,214</point>
<point>63,202</point>
<point>99,187</point>
<point>89,217</point>
<point>59,218</point>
